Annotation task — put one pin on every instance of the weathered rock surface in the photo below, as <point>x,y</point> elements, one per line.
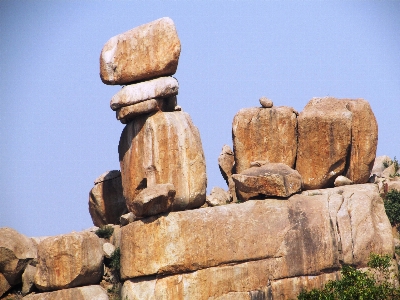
<point>68,261</point>
<point>226,163</point>
<point>241,281</point>
<point>266,103</point>
<point>91,292</point>
<point>218,196</point>
<point>296,233</point>
<point>16,251</point>
<point>127,218</point>
<point>108,249</point>
<point>342,180</point>
<point>106,200</point>
<point>127,113</point>
<point>324,128</point>
<point>4,285</point>
<point>145,52</point>
<point>153,200</point>
<point>379,167</point>
<point>163,148</point>
<point>389,172</point>
<point>270,179</point>
<point>336,137</point>
<point>162,87</point>
<point>28,279</point>
<point>264,134</point>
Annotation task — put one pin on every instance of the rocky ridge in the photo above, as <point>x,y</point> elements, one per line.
<point>306,194</point>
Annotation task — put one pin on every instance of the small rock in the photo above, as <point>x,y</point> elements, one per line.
<point>108,175</point>
<point>178,108</point>
<point>153,200</point>
<point>108,249</point>
<point>162,87</point>
<point>389,172</point>
<point>127,218</point>
<point>28,279</point>
<point>266,103</point>
<point>226,163</point>
<point>342,180</point>
<point>379,166</point>
<point>4,285</point>
<point>218,196</point>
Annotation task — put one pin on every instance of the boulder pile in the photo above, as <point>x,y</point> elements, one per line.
<point>161,237</point>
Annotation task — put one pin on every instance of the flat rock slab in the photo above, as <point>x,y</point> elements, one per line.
<point>309,232</point>
<point>264,134</point>
<point>69,260</point>
<point>91,292</point>
<point>145,52</point>
<point>162,87</point>
<point>163,148</point>
<point>270,179</point>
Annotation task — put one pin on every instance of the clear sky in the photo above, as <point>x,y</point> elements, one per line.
<point>58,132</point>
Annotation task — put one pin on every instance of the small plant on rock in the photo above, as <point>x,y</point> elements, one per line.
<point>392,207</point>
<point>105,232</point>
<point>115,260</point>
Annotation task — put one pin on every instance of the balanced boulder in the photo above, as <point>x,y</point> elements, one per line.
<point>264,134</point>
<point>16,251</point>
<point>269,179</point>
<point>218,196</point>
<point>68,261</point>
<point>145,52</point>
<point>163,148</point>
<point>226,163</point>
<point>106,200</point>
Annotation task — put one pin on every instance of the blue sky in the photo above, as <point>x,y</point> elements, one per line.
<point>58,132</point>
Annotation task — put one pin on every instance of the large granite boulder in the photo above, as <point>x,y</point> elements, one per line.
<point>69,260</point>
<point>268,134</point>
<point>106,200</point>
<point>254,246</point>
<point>163,148</point>
<point>145,52</point>
<point>16,251</point>
<point>91,292</point>
<point>336,137</point>
<point>269,179</point>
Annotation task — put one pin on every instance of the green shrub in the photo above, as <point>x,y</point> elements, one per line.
<point>356,284</point>
<point>392,206</point>
<point>105,232</point>
<point>115,260</point>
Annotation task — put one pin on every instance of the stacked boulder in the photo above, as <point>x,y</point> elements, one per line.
<point>160,151</point>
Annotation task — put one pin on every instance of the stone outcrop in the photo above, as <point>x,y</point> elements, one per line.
<point>145,52</point>
<point>379,166</point>
<point>106,200</point>
<point>68,261</point>
<point>218,196</point>
<point>163,148</point>
<point>269,179</point>
<point>226,163</point>
<point>297,235</point>
<point>91,292</point>
<point>336,137</point>
<point>153,200</point>
<point>28,279</point>
<point>162,87</point>
<point>268,134</point>
<point>16,251</point>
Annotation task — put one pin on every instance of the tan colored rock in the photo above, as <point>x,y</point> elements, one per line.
<point>69,260</point>
<point>342,180</point>
<point>163,148</point>
<point>145,52</point>
<point>106,199</point>
<point>241,281</point>
<point>127,218</point>
<point>364,140</point>
<point>108,249</point>
<point>324,128</point>
<point>4,285</point>
<point>218,196</point>
<point>264,134</point>
<point>162,87</point>
<point>28,279</point>
<point>116,236</point>
<point>266,103</point>
<point>379,166</point>
<point>270,179</point>
<point>153,200</point>
<point>91,292</point>
<point>389,172</point>
<point>393,185</point>
<point>16,251</point>
<point>226,163</point>
<point>128,113</point>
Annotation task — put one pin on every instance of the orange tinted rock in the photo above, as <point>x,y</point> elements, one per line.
<point>164,148</point>
<point>69,260</point>
<point>324,128</point>
<point>145,52</point>
<point>90,292</point>
<point>268,134</point>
